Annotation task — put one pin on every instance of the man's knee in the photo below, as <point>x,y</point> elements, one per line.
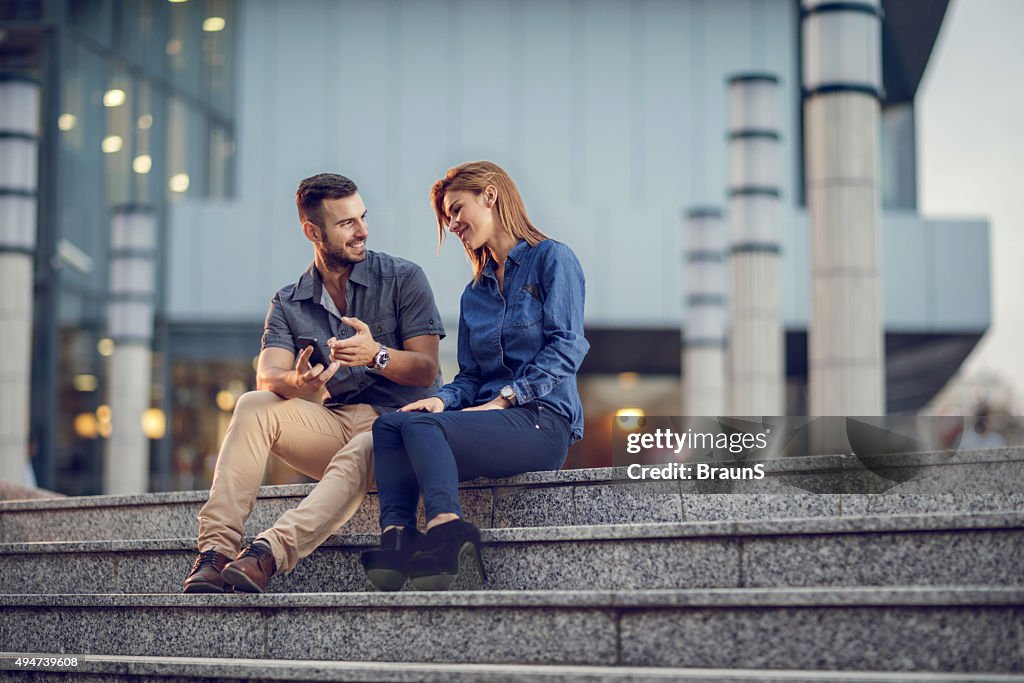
<point>360,446</point>
<point>253,403</point>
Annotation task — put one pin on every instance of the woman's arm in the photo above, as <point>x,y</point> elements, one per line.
<point>462,390</point>
<point>565,347</point>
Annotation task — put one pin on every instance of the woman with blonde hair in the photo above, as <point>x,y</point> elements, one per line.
<point>512,408</point>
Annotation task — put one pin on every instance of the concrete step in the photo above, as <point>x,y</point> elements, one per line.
<point>966,630</point>
<point>11,491</point>
<point>982,549</point>
<point>98,668</point>
<point>819,486</point>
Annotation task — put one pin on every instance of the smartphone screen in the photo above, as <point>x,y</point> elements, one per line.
<point>317,355</point>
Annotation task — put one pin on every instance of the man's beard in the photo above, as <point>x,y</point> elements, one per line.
<point>335,258</point>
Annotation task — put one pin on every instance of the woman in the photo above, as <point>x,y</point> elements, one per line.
<point>512,408</point>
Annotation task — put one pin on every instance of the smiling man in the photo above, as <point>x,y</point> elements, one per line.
<point>355,337</point>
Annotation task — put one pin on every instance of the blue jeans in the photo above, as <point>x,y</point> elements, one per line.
<point>433,452</point>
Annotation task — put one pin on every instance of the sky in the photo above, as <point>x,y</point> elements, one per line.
<point>970,116</point>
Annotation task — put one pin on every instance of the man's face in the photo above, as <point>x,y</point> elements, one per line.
<point>344,232</point>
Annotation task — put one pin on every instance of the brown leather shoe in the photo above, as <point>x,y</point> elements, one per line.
<point>205,576</point>
<point>251,570</point>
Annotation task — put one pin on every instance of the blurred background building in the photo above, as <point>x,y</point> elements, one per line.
<point>171,137</point>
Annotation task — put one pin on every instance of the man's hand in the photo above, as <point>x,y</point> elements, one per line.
<point>310,380</point>
<point>500,403</point>
<point>424,405</point>
<point>359,349</point>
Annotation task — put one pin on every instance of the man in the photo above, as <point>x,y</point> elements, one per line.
<point>375,316</point>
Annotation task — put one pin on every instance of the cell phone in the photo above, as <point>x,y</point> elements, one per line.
<point>317,356</point>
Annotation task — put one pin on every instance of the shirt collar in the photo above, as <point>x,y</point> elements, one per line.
<point>311,285</point>
<point>361,271</point>
<point>518,251</point>
<point>516,254</point>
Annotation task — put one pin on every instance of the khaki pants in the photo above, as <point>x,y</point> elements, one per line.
<point>333,445</point>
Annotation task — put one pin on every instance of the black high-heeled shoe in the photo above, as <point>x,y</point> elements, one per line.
<point>435,564</point>
<point>385,566</point>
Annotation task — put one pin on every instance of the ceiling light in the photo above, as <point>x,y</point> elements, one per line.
<point>112,144</point>
<point>178,182</point>
<point>106,347</point>
<point>142,164</point>
<point>114,98</point>
<point>214,24</point>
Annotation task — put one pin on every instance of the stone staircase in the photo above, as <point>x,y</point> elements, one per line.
<point>826,570</point>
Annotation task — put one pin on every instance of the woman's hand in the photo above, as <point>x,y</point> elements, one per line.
<point>424,405</point>
<point>499,403</point>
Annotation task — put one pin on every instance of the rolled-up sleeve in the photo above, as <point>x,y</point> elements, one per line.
<point>417,310</point>
<point>565,346</point>
<point>276,331</point>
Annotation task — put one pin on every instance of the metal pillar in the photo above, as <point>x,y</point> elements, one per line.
<point>704,337</point>
<point>756,336</point>
<point>842,88</point>
<point>19,182</point>
<point>130,323</point>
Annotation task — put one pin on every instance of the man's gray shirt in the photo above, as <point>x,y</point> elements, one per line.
<point>389,294</point>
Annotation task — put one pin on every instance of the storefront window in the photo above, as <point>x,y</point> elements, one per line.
<point>146,108</point>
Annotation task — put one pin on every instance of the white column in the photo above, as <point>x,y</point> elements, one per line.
<point>19,158</point>
<point>842,88</point>
<point>704,336</point>
<point>756,337</point>
<point>130,325</point>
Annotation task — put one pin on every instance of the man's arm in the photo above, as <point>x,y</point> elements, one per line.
<point>414,366</point>
<point>461,392</point>
<point>280,372</point>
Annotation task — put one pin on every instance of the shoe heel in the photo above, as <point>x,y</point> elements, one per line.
<point>437,582</point>
<point>239,581</point>
<point>479,562</point>
<point>386,579</point>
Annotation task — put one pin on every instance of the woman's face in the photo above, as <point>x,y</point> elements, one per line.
<point>471,216</point>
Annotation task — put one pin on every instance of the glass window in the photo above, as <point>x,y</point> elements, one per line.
<point>145,117</point>
<point>218,51</point>
<point>183,46</point>
<point>94,18</point>
<point>222,150</point>
<point>82,128</point>
<point>179,179</point>
<point>147,157</point>
<point>118,138</point>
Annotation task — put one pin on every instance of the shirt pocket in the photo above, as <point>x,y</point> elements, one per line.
<point>527,308</point>
<point>384,330</point>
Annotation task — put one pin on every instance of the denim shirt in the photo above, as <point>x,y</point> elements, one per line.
<point>530,336</point>
<point>390,294</point>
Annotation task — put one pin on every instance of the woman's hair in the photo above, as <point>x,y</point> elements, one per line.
<point>475,176</point>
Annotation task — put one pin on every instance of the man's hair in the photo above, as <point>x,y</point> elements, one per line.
<point>314,190</point>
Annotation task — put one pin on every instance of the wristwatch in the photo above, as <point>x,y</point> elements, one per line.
<point>508,393</point>
<point>381,360</point>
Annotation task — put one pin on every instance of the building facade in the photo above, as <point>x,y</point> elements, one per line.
<point>611,115</point>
